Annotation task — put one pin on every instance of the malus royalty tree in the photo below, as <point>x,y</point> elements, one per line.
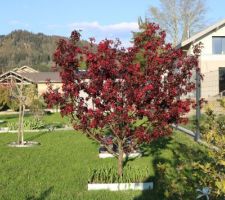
<point>134,91</point>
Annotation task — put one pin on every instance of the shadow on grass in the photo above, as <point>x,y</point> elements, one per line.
<point>172,161</point>
<point>12,116</point>
<point>6,117</point>
<point>43,195</point>
<point>36,136</point>
<point>152,149</point>
<point>155,146</point>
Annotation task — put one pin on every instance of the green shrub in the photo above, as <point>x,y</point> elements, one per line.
<point>4,98</point>
<point>37,108</point>
<point>29,124</point>
<point>208,121</point>
<point>13,104</point>
<point>221,124</point>
<point>12,125</point>
<point>33,124</point>
<point>175,181</point>
<point>211,173</point>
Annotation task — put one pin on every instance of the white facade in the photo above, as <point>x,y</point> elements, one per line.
<point>209,62</point>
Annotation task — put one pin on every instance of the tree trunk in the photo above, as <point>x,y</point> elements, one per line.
<point>19,127</point>
<point>22,124</point>
<point>120,160</point>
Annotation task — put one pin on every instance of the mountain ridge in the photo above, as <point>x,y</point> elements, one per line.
<point>21,47</point>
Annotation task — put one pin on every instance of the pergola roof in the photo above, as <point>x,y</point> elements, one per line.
<point>37,77</point>
<point>41,77</point>
<point>7,76</point>
<point>24,69</point>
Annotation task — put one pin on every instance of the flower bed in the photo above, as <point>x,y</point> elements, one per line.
<point>106,178</point>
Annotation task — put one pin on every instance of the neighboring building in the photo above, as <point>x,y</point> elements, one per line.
<point>31,76</point>
<point>212,59</point>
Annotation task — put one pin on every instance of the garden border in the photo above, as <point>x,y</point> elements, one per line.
<point>5,130</point>
<point>120,186</point>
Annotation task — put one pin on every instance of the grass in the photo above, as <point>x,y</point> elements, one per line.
<point>58,168</point>
<point>47,118</point>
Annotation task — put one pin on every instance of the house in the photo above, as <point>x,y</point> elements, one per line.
<point>212,58</point>
<point>31,76</point>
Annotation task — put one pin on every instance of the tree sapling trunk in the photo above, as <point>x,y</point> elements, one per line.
<point>120,160</point>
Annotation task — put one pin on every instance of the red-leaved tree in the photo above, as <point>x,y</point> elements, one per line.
<point>133,94</point>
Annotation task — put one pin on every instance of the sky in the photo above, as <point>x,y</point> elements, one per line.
<point>96,18</point>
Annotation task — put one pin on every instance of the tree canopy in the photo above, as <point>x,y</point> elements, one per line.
<point>134,101</point>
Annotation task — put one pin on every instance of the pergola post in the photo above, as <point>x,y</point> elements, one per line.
<point>198,96</point>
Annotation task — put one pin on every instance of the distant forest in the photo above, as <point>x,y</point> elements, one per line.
<point>21,48</point>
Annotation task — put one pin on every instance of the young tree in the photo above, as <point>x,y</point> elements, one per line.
<point>17,93</point>
<point>135,101</point>
<point>180,18</point>
<point>22,94</point>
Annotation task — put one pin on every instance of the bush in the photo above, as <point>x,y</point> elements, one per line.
<point>13,104</point>
<point>172,182</point>
<point>221,124</point>
<point>211,173</point>
<point>4,97</point>
<point>33,124</point>
<point>12,125</point>
<point>30,124</point>
<point>7,101</point>
<point>37,108</point>
<point>207,121</point>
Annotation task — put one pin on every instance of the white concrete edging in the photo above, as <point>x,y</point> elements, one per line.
<point>6,130</point>
<point>120,186</point>
<point>130,155</point>
<point>25,144</point>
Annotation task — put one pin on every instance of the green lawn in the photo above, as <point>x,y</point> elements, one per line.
<point>58,168</point>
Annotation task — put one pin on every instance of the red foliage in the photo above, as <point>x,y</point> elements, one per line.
<point>135,91</point>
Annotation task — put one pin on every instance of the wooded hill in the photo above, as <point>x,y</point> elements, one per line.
<point>25,48</point>
<point>21,48</point>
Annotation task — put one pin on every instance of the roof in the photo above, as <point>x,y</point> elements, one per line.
<point>40,77</point>
<point>201,34</point>
<point>36,77</point>
<point>7,76</point>
<point>29,75</point>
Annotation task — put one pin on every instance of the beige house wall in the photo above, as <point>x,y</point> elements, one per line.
<point>42,87</point>
<point>210,64</point>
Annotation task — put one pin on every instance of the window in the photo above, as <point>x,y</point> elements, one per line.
<point>218,45</point>
<point>221,79</point>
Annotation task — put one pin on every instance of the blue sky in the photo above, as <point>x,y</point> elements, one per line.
<point>98,18</point>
